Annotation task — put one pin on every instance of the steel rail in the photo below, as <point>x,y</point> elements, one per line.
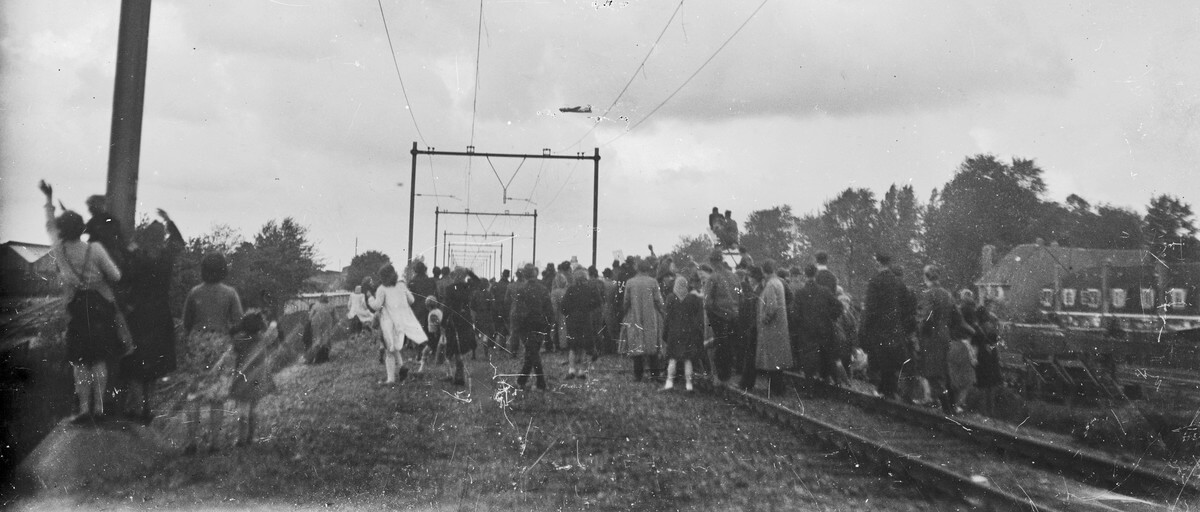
<point>973,493</point>
<point>1091,468</point>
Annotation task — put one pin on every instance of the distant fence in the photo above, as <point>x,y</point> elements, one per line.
<point>302,302</point>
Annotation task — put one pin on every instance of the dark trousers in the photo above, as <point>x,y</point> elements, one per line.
<point>640,364</point>
<point>749,350</point>
<point>887,362</point>
<point>724,344</point>
<point>533,359</point>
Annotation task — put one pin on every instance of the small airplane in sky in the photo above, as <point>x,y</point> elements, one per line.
<point>585,109</point>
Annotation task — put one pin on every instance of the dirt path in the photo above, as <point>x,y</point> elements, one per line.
<point>330,437</point>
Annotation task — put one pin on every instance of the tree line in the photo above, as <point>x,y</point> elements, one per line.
<point>266,270</point>
<point>987,201</point>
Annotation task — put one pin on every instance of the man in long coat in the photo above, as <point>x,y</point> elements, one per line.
<point>819,310</point>
<point>642,328</point>
<point>773,353</point>
<point>936,314</point>
<point>888,320</point>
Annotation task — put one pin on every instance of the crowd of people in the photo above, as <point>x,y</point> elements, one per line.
<point>677,319</point>
<point>674,320</point>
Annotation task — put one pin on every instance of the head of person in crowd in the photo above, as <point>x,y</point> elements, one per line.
<point>768,267</point>
<point>445,272</point>
<point>644,266</point>
<point>579,275</point>
<point>965,295</point>
<point>249,326</point>
<point>431,302</point>
<point>530,272</point>
<point>565,266</point>
<point>504,276</point>
<point>70,225</point>
<point>418,268</point>
<point>97,205</point>
<point>932,275</point>
<point>796,274</point>
<point>822,258</point>
<point>695,280</point>
<point>782,273</point>
<point>729,214</point>
<point>592,272</point>
<point>213,268</point>
<point>608,273</point>
<point>388,275</point>
<point>437,273</point>
<point>756,273</point>
<point>883,259</point>
<point>705,270</point>
<point>810,271</point>
<point>368,284</point>
<point>358,288</point>
<point>458,275</point>
<point>680,287</point>
<point>151,239</point>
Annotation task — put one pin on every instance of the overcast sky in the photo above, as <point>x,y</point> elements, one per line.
<point>256,110</point>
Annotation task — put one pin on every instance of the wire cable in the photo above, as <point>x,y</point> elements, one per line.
<point>632,76</point>
<point>395,64</point>
<point>475,99</point>
<point>689,79</point>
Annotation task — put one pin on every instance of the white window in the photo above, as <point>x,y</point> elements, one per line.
<point>1068,296</point>
<point>1118,297</point>
<point>1047,297</point>
<point>1090,298</point>
<point>1177,298</point>
<point>1147,298</point>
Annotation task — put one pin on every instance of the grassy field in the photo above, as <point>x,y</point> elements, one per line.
<point>331,438</point>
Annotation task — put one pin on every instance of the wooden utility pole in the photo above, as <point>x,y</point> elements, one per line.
<point>129,91</point>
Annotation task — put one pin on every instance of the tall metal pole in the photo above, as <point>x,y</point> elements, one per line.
<point>500,260</point>
<point>436,215</point>
<point>129,92</point>
<point>445,250</point>
<point>512,251</point>
<point>595,203</point>
<point>534,238</point>
<point>412,202</point>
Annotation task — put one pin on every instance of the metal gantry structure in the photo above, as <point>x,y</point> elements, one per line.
<point>467,255</point>
<point>471,153</point>
<point>438,212</point>
<point>510,237</point>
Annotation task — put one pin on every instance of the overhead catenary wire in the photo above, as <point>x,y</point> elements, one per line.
<point>632,76</point>
<point>693,75</point>
<point>475,99</point>
<point>396,65</point>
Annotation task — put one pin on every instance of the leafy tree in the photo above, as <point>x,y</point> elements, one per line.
<point>694,248</point>
<point>1170,229</point>
<point>772,234</point>
<point>852,227</point>
<point>363,265</point>
<point>273,269</point>
<point>987,201</point>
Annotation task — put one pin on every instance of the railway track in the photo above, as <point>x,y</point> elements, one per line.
<point>985,467</point>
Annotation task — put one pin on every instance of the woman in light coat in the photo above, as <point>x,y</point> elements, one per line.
<point>642,328</point>
<point>774,349</point>
<point>396,320</point>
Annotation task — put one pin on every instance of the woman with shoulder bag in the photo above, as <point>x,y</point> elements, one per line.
<point>86,271</point>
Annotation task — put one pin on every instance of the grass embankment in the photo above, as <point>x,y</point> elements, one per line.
<point>331,437</point>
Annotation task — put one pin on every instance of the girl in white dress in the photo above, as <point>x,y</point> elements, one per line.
<point>396,321</point>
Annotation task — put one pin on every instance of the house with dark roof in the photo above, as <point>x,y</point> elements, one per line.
<point>26,269</point>
<point>1014,283</point>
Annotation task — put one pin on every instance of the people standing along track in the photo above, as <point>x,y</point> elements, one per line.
<point>396,320</point>
<point>531,318</point>
<point>721,304</point>
<point>683,329</point>
<point>456,324</point>
<point>641,336</point>
<point>937,313</point>
<point>87,273</point>
<point>148,281</point>
<point>773,353</point>
<point>888,323</point>
<point>578,309</point>
<point>819,311</point>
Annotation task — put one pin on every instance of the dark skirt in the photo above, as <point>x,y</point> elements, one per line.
<point>987,371</point>
<point>459,338</point>
<point>154,338</point>
<point>92,335</point>
<point>581,332</point>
